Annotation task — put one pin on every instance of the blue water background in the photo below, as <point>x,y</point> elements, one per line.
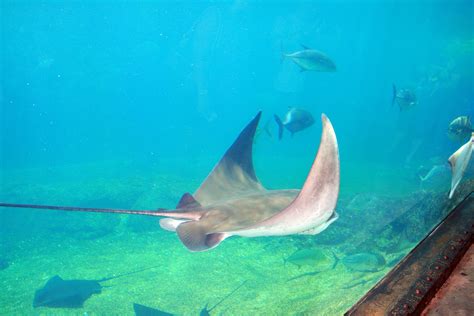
<point>89,81</point>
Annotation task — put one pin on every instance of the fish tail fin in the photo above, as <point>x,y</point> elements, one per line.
<point>280,126</point>
<point>394,93</point>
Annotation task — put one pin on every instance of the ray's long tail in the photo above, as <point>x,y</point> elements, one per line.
<point>159,212</point>
<point>227,296</point>
<point>128,273</point>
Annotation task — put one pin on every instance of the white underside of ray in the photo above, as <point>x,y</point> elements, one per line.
<point>170,224</point>
<point>318,229</point>
<point>459,162</point>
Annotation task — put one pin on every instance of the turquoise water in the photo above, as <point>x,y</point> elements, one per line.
<point>130,104</point>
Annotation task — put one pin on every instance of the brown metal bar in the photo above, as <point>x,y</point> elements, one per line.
<point>410,286</point>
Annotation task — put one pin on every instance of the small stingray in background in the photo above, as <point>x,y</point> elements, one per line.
<point>206,312</point>
<point>141,310</point>
<point>70,293</point>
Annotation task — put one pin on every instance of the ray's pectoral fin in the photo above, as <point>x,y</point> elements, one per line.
<point>234,174</point>
<point>196,237</point>
<point>312,210</point>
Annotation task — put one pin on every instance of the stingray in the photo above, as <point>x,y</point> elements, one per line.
<point>232,202</point>
<point>459,162</point>
<point>70,293</point>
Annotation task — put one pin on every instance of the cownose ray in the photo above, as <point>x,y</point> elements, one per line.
<point>459,162</point>
<point>58,292</point>
<point>232,202</point>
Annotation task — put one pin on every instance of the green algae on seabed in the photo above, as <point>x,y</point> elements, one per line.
<point>180,280</point>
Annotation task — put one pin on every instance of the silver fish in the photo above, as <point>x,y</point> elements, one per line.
<point>317,259</point>
<point>295,120</point>
<point>310,59</point>
<point>460,128</point>
<point>405,98</point>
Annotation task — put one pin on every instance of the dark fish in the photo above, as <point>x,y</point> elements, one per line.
<point>364,262</point>
<point>206,311</point>
<point>405,98</point>
<point>460,129</point>
<point>310,59</point>
<point>295,120</point>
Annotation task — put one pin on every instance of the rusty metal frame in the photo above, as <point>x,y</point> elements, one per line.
<point>410,285</point>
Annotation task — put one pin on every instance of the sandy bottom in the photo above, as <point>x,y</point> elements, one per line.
<point>181,282</point>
